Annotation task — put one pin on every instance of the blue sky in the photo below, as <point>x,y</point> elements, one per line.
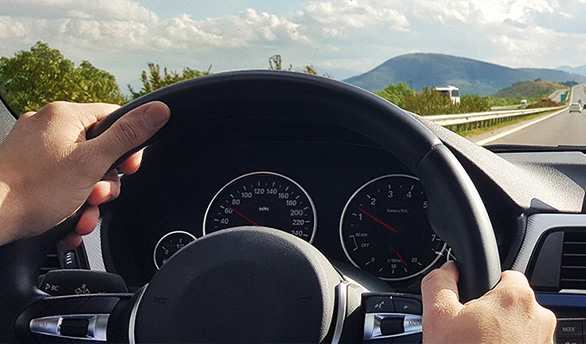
<point>344,37</point>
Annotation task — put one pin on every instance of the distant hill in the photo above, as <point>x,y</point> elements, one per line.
<point>530,89</point>
<point>471,76</point>
<point>577,70</point>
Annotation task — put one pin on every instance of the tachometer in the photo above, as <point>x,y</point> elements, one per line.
<point>384,228</point>
<point>263,199</point>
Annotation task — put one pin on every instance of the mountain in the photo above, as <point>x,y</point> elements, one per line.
<point>530,89</point>
<point>338,74</point>
<point>577,70</point>
<point>471,76</point>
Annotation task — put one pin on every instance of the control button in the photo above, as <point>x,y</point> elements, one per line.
<point>390,326</point>
<point>409,306</point>
<point>380,304</point>
<point>412,339</point>
<point>569,329</point>
<point>74,327</point>
<point>569,341</point>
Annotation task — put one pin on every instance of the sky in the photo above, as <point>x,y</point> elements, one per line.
<point>342,37</point>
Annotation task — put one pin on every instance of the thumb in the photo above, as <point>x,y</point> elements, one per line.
<point>439,289</point>
<point>131,130</point>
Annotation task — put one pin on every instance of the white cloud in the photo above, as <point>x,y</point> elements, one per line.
<point>338,16</point>
<point>352,34</point>
<point>106,26</point>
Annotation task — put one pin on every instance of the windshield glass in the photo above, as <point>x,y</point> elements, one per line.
<point>496,72</point>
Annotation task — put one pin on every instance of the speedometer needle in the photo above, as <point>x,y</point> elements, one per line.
<point>239,213</point>
<point>377,220</point>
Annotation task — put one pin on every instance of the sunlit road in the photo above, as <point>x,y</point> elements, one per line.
<point>563,129</point>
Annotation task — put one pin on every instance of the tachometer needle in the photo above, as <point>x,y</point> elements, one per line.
<point>398,255</point>
<point>239,213</point>
<point>374,218</point>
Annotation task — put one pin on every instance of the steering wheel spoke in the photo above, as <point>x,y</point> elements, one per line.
<point>92,317</point>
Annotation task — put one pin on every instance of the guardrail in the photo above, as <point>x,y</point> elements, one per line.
<point>477,120</point>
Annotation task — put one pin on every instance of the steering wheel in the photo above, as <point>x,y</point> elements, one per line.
<point>257,284</point>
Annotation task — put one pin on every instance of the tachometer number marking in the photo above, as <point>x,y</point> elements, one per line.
<point>392,228</point>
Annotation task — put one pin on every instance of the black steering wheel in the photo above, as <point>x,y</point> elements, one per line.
<point>257,284</point>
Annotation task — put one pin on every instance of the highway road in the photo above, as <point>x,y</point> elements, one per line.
<point>563,129</point>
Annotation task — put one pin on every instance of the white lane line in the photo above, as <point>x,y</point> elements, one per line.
<point>501,135</point>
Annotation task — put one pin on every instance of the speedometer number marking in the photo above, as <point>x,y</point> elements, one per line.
<point>263,199</point>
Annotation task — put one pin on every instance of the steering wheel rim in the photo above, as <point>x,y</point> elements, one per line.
<point>456,211</point>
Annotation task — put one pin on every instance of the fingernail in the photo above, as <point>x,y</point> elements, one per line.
<point>156,115</point>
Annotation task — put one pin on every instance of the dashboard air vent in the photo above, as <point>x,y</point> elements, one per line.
<point>573,272</point>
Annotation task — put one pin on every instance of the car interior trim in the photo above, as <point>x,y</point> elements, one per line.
<point>93,247</point>
<point>342,300</point>
<point>133,314</point>
<point>537,225</point>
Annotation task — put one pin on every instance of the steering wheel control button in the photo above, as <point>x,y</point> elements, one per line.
<point>87,327</point>
<point>81,282</point>
<point>380,304</point>
<point>408,306</point>
<point>391,326</point>
<point>401,327</point>
<point>74,327</point>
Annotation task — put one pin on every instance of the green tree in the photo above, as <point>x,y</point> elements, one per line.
<point>154,80</point>
<point>32,79</point>
<point>397,94</point>
<point>275,63</point>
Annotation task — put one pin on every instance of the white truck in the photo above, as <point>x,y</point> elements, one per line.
<point>451,91</point>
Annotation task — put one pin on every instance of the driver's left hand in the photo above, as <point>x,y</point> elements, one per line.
<point>48,169</point>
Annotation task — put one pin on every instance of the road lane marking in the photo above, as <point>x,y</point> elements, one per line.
<point>509,132</point>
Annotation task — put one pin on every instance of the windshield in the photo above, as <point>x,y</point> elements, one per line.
<point>496,72</point>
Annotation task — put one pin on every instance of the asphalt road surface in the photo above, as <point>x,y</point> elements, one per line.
<point>563,129</point>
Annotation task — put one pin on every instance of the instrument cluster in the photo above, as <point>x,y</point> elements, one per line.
<point>383,228</point>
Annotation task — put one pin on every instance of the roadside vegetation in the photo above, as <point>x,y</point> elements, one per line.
<point>31,79</point>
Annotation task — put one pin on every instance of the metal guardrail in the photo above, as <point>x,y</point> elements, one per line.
<point>481,119</point>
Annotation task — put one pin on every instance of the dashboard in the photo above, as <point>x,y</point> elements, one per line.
<point>203,187</point>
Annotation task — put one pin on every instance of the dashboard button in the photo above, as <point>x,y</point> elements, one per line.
<point>569,341</point>
<point>406,305</point>
<point>569,329</point>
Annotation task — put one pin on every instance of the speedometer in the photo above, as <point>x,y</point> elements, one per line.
<point>263,199</point>
<point>384,229</point>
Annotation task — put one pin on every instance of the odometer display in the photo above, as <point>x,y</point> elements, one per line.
<point>384,228</point>
<point>263,199</point>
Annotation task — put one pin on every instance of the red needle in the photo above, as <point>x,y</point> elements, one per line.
<point>239,213</point>
<point>377,220</point>
<point>398,255</point>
